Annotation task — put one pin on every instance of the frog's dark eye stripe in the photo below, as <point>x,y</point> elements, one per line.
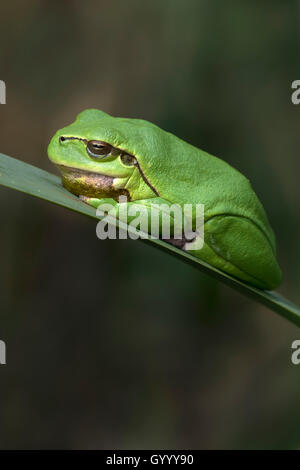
<point>62,139</point>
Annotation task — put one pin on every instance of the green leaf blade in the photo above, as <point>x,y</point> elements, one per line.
<point>26,178</point>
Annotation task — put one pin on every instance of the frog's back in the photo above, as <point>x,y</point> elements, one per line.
<point>193,176</point>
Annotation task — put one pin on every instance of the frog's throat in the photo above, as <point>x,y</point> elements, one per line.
<point>90,184</point>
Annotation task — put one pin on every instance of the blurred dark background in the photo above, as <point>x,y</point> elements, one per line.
<point>112,344</point>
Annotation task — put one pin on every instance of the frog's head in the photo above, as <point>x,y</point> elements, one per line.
<point>97,156</point>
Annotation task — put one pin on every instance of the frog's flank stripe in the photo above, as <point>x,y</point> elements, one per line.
<point>146,180</point>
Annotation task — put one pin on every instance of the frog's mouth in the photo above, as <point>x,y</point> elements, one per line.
<point>90,184</point>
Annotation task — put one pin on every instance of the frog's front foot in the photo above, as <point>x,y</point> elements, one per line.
<point>91,201</point>
<point>84,199</point>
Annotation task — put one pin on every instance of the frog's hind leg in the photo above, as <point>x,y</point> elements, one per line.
<point>237,246</point>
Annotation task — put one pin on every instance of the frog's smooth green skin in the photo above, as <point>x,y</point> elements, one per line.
<point>237,236</point>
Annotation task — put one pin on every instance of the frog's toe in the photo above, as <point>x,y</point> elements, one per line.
<point>91,201</point>
<point>84,199</point>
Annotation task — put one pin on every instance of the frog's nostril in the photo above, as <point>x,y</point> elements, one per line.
<point>62,139</point>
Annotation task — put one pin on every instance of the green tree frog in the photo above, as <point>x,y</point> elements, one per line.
<point>102,158</point>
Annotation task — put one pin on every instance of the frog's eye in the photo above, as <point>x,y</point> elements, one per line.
<point>128,160</point>
<point>97,148</point>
